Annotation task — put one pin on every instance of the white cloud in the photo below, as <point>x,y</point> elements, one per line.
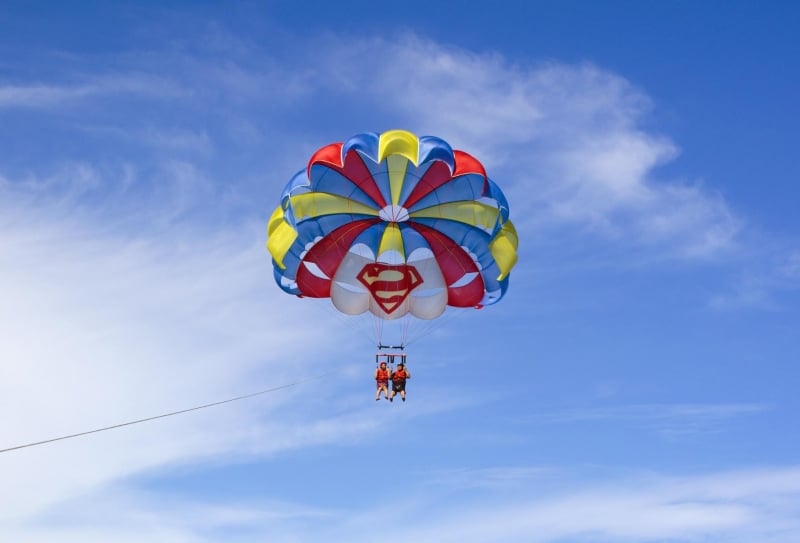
<point>566,142</point>
<point>105,323</point>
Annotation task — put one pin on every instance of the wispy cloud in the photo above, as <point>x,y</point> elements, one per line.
<point>502,478</point>
<point>670,420</point>
<point>737,506</point>
<point>47,95</point>
<point>766,280</point>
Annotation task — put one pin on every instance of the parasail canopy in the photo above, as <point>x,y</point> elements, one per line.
<point>393,224</point>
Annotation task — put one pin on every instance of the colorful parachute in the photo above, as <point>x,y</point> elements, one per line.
<point>393,224</point>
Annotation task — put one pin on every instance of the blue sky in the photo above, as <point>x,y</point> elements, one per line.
<point>638,382</point>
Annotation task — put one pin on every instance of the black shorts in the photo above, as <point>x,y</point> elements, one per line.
<point>399,386</point>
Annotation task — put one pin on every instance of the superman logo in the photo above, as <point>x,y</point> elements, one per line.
<point>389,284</point>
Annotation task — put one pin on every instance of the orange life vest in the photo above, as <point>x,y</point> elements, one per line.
<point>383,375</point>
<point>399,375</point>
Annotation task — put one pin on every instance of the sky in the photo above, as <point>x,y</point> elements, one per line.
<point>636,384</point>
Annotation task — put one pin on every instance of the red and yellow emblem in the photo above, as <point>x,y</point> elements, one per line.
<point>389,284</point>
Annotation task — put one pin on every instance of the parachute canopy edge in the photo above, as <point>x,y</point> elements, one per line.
<point>330,154</point>
<point>280,236</point>
<point>399,142</point>
<point>504,249</point>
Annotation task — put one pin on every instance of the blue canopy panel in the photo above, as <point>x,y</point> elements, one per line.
<point>468,187</point>
<point>325,179</point>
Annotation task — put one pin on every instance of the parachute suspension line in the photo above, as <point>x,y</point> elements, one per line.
<point>378,328</point>
<point>404,333</point>
<point>360,324</point>
<point>427,328</point>
<point>165,415</point>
